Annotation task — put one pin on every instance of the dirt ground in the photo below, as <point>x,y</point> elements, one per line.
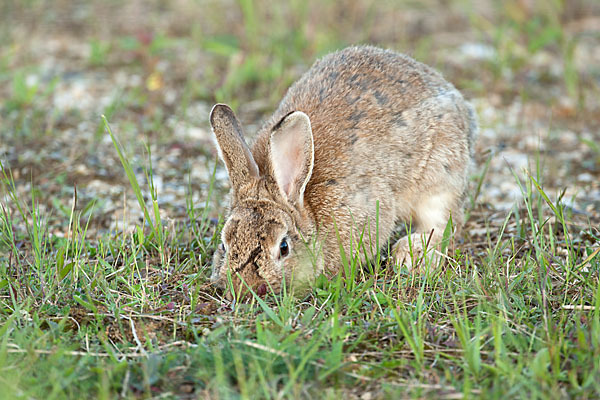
<point>530,120</point>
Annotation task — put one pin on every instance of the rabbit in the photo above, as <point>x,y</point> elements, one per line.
<point>365,135</point>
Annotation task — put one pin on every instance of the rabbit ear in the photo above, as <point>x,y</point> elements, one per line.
<point>231,145</point>
<point>292,155</point>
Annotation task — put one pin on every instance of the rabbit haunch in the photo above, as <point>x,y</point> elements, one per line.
<point>363,126</point>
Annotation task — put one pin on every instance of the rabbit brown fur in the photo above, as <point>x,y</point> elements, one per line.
<point>363,127</point>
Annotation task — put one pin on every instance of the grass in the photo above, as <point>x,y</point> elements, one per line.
<point>100,319</point>
<point>127,311</point>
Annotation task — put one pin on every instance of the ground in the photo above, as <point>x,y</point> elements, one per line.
<point>107,228</point>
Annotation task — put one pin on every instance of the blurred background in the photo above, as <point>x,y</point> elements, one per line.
<point>154,69</point>
<point>106,245</point>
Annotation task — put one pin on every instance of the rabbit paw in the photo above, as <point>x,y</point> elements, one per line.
<point>411,251</point>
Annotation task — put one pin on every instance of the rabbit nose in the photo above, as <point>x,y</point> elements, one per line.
<point>261,290</point>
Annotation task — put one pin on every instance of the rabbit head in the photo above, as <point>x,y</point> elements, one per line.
<point>268,236</point>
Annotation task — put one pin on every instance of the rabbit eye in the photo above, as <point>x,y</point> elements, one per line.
<point>221,247</point>
<point>284,248</point>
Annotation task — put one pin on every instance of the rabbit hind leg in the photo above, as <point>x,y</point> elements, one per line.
<point>430,218</point>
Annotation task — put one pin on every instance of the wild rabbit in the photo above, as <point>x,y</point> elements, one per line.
<point>366,134</point>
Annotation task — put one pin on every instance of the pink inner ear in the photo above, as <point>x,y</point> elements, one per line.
<point>296,163</point>
<point>288,161</point>
<point>289,156</point>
